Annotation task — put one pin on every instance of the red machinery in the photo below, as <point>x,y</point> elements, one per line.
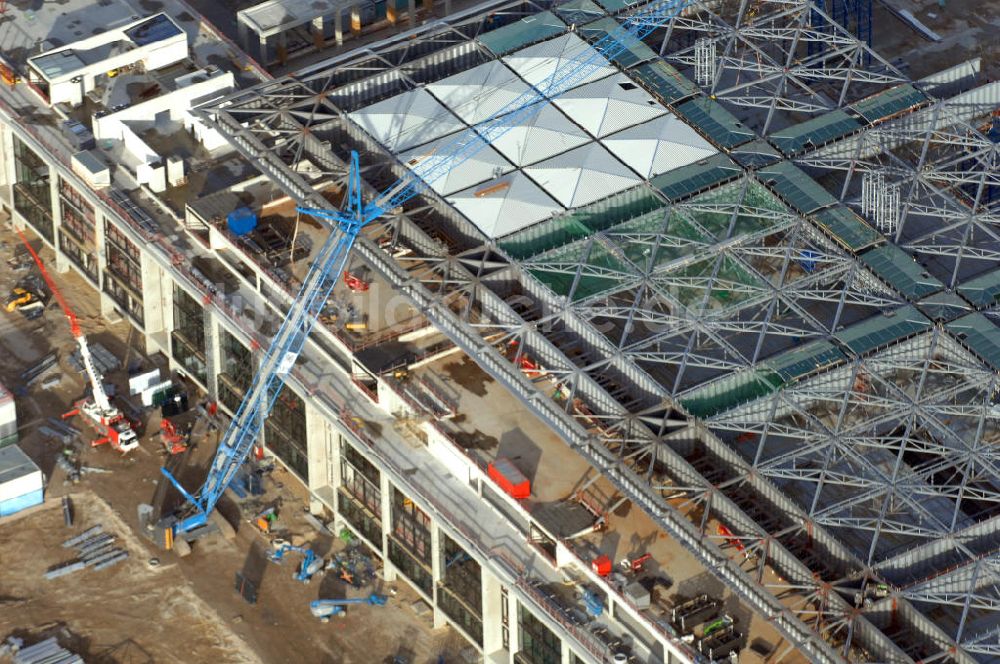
<point>173,442</point>
<point>355,283</point>
<point>635,565</point>
<point>110,423</point>
<point>511,480</point>
<point>732,539</point>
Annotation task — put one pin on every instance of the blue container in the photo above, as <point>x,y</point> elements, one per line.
<point>241,221</point>
<point>15,505</point>
<point>808,259</point>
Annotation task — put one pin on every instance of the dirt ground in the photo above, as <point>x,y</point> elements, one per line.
<point>180,610</point>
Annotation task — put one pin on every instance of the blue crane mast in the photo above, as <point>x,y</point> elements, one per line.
<point>346,224</point>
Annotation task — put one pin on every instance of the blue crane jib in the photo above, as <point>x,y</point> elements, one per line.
<point>345,225</point>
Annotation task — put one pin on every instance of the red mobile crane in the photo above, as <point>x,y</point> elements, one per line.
<point>109,422</point>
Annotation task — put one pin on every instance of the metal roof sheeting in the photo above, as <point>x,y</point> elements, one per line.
<point>579,12</point>
<point>479,93</point>
<point>528,30</point>
<point>730,391</point>
<point>889,102</point>
<point>943,307</point>
<point>721,126</point>
<point>815,132</point>
<point>898,269</point>
<point>486,164</point>
<point>980,336</point>
<point>609,105</point>
<point>847,228</point>
<point>756,154</point>
<point>545,134</point>
<point>693,178</point>
<point>665,82</point>
<point>798,189</point>
<point>500,207</point>
<point>537,63</point>
<point>406,120</point>
<point>582,176</point>
<point>659,146</point>
<point>800,362</point>
<point>882,331</point>
<point>983,291</point>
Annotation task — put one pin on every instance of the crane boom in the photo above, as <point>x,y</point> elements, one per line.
<point>331,259</point>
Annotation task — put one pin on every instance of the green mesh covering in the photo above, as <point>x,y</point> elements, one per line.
<point>882,331</point>
<point>580,223</point>
<point>983,291</point>
<point>798,189</point>
<point>898,269</point>
<point>889,102</point>
<point>526,31</point>
<point>732,284</point>
<point>979,335</point>
<point>815,132</point>
<point>795,364</point>
<point>719,125</point>
<point>635,51</point>
<point>699,176</point>
<point>756,204</point>
<point>847,228</point>
<point>579,12</point>
<point>664,82</point>
<point>576,283</point>
<point>733,390</point>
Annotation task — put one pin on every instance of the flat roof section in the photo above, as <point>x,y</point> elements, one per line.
<point>666,83</point>
<point>275,16</point>
<point>545,134</point>
<point>583,175</point>
<point>634,52</point>
<point>407,120</point>
<point>579,12</point>
<point>485,165</point>
<point>719,125</point>
<point>847,228</point>
<point>889,102</point>
<point>537,63</point>
<point>983,291</point>
<point>694,178</point>
<point>898,269</point>
<point>500,207</point>
<point>798,189</point>
<point>609,105</point>
<point>479,93</point>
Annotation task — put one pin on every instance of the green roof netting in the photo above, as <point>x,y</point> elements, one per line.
<point>980,336</point>
<point>719,125</point>
<point>693,178</point>
<point>815,132</point>
<point>586,269</point>
<point>579,12</point>
<point>526,31</point>
<point>983,291</point>
<point>731,391</point>
<point>635,51</point>
<point>664,82</point>
<point>798,189</point>
<point>887,103</point>
<point>582,222</point>
<point>898,269</point>
<point>756,154</point>
<point>847,228</point>
<point>800,362</point>
<point>943,306</point>
<point>881,331</point>
<point>755,204</point>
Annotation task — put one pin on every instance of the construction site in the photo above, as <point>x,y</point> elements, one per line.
<point>512,332</point>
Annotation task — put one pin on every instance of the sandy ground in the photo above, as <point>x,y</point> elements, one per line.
<point>182,610</point>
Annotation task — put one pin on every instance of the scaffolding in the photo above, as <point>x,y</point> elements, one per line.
<point>783,334</point>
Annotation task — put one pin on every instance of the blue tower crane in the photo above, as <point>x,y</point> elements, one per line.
<point>193,519</point>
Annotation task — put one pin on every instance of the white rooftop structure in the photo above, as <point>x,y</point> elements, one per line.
<point>67,73</point>
<point>479,93</point>
<point>536,63</point>
<point>487,164</point>
<point>407,120</point>
<point>583,175</point>
<point>659,146</point>
<point>500,207</point>
<point>609,105</point>
<point>543,135</point>
<point>276,16</point>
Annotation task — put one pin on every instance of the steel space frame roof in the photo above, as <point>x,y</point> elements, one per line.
<point>876,464</point>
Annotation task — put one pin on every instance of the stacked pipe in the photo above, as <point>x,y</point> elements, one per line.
<point>95,549</point>
<point>45,652</point>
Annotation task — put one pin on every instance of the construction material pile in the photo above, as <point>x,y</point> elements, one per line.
<point>95,550</point>
<point>45,652</point>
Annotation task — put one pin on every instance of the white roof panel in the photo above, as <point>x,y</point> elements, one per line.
<point>545,134</point>
<point>583,175</point>
<point>536,63</point>
<point>609,105</point>
<point>486,164</point>
<point>659,146</point>
<point>479,93</point>
<point>406,120</point>
<point>500,207</point>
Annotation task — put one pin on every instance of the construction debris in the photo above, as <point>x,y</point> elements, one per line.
<point>104,360</point>
<point>94,549</point>
<point>44,652</point>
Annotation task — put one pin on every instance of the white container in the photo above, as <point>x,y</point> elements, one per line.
<point>8,417</point>
<point>18,474</point>
<point>142,382</point>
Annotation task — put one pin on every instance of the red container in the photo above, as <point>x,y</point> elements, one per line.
<point>511,480</point>
<point>601,565</point>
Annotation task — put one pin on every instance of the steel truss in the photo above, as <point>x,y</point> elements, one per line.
<point>845,480</point>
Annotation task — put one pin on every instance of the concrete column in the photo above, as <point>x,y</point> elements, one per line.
<point>317,448</point>
<point>244,34</point>
<point>319,31</point>
<point>154,302</point>
<point>411,11</point>
<point>356,19</point>
<point>262,49</point>
<point>213,357</point>
<point>437,571</point>
<point>338,27</point>
<point>492,618</point>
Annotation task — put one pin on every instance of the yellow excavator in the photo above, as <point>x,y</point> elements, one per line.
<point>25,301</point>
